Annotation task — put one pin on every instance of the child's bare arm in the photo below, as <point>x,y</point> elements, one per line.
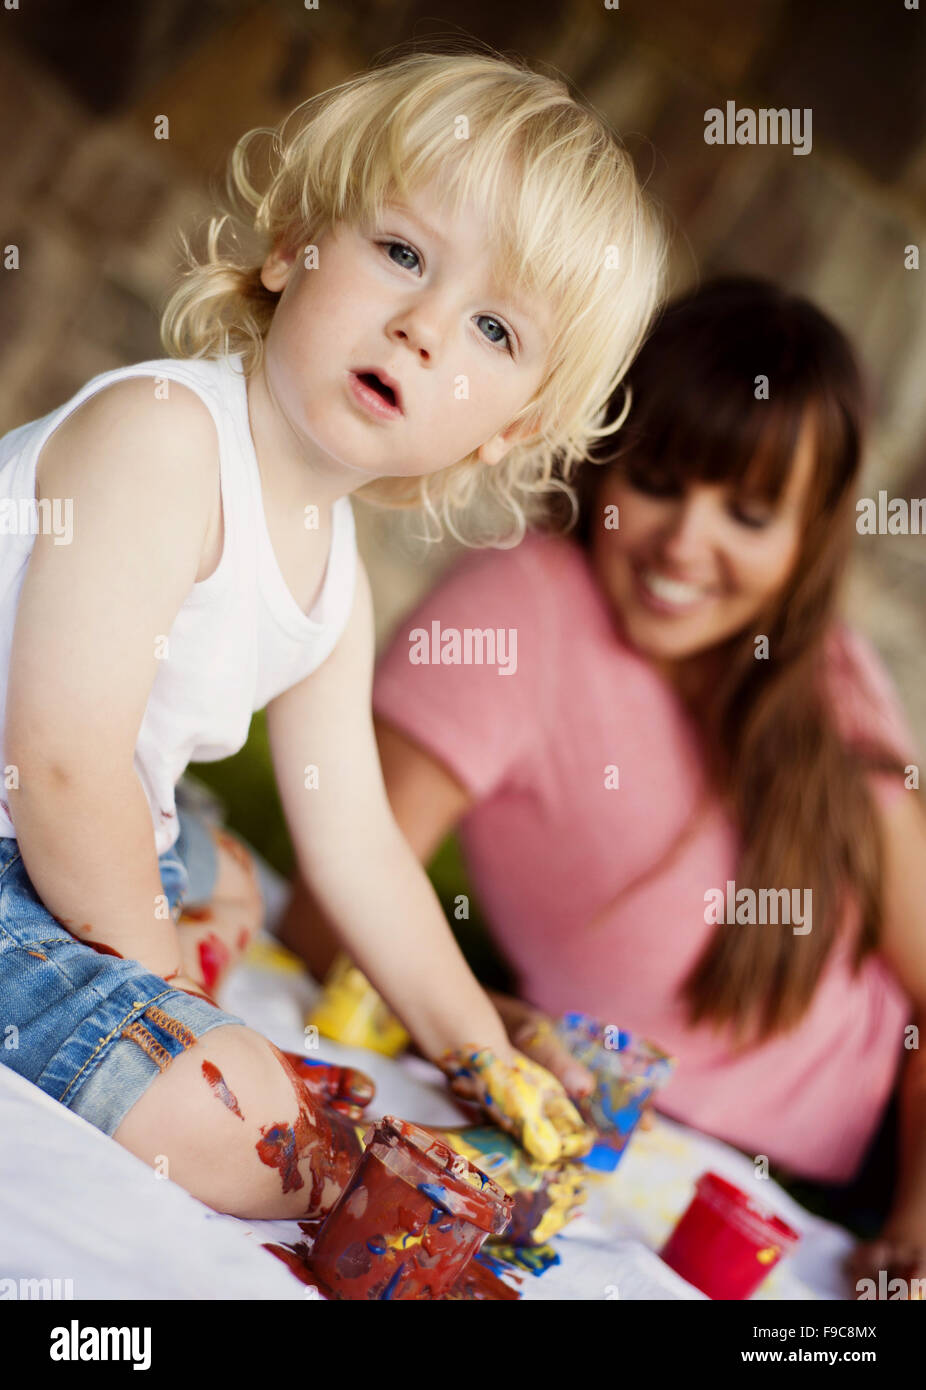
<point>427,802</point>
<point>142,475</point>
<point>352,852</point>
<point>367,879</point>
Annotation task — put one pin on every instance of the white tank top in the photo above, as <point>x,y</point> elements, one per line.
<point>240,637</point>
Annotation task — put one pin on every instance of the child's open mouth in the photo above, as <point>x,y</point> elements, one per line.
<point>373,380</point>
<point>379,397</point>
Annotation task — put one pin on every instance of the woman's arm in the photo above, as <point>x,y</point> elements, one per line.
<point>903,1243</point>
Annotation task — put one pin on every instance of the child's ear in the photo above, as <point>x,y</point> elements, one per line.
<point>274,272</point>
<point>495,449</point>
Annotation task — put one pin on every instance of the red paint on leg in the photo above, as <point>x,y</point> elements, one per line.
<point>220,1088</point>
<point>104,950</point>
<point>277,1147</point>
<point>80,934</point>
<point>322,1136</point>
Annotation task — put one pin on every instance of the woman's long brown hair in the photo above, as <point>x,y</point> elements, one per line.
<point>797,791</point>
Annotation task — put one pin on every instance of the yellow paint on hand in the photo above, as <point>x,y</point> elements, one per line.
<point>525,1099</point>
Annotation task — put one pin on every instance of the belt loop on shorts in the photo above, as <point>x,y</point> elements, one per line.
<point>137,1032</point>
<point>170,1025</point>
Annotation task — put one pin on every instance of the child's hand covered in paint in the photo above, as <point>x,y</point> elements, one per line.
<point>342,1088</point>
<point>532,1033</point>
<point>521,1097</point>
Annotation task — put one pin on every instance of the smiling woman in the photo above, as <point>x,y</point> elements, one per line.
<point>713,554</point>
<point>724,572</point>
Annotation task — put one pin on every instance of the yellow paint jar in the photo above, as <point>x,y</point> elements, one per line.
<point>351,1012</point>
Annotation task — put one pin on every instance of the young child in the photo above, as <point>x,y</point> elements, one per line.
<point>458,265</point>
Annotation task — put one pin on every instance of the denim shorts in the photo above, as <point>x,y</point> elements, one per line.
<point>93,1031</point>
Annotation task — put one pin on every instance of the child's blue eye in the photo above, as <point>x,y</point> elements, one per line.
<point>390,246</point>
<point>403,247</point>
<point>506,336</point>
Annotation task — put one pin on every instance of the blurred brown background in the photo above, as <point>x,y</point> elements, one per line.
<point>94,201</point>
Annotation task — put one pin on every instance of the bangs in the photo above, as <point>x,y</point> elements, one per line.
<point>750,447</point>
<point>544,175</point>
<point>695,415</point>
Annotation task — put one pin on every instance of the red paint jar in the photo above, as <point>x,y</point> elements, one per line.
<point>410,1220</point>
<point>725,1243</point>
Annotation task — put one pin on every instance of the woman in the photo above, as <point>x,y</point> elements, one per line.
<point>687,713</point>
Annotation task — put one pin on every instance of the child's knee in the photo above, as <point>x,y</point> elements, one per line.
<point>200,1122</point>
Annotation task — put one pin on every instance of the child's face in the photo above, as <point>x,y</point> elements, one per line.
<point>421,307</point>
<point>685,570</point>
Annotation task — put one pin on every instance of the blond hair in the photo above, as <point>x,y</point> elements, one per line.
<point>570,223</point>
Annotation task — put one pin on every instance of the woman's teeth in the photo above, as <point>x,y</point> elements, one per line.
<point>671,590</point>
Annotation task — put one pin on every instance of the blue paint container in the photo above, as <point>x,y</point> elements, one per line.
<point>628,1071</point>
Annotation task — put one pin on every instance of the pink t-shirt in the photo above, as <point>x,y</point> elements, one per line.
<point>549,845</point>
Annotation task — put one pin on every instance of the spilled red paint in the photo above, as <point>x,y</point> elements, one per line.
<point>478,1284</point>
<point>213,958</point>
<point>295,1257</point>
<point>221,1089</point>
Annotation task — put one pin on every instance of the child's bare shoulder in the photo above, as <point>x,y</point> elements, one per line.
<point>128,452</point>
<point>132,418</point>
<point>128,438</point>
